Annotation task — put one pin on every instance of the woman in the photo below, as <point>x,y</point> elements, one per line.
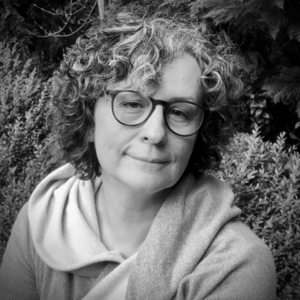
<point>141,110</point>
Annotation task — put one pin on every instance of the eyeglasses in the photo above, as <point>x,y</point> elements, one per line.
<point>130,108</point>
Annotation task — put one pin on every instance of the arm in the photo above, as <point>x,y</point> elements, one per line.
<point>17,276</point>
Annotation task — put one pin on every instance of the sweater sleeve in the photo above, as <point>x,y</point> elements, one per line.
<point>17,278</point>
<point>237,266</point>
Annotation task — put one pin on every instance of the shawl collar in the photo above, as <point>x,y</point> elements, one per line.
<point>65,230</point>
<point>180,235</point>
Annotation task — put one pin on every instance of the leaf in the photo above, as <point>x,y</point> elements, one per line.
<point>294,32</point>
<point>217,15</point>
<point>293,136</point>
<point>258,112</point>
<point>279,3</point>
<point>285,86</point>
<point>254,104</point>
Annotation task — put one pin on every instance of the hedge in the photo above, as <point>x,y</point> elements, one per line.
<point>26,145</point>
<point>264,176</point>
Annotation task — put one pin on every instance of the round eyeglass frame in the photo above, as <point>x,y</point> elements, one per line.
<point>154,102</point>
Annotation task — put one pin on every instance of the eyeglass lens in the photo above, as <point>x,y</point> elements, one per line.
<point>131,109</point>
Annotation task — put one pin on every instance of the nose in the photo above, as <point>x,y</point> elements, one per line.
<point>154,130</point>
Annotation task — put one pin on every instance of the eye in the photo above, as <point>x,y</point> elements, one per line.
<point>183,112</point>
<point>130,101</point>
<point>133,105</point>
<point>177,113</point>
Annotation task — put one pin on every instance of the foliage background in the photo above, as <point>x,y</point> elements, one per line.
<point>263,166</point>
<point>265,177</point>
<point>27,149</point>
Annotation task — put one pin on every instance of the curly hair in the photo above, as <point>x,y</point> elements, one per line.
<point>108,52</point>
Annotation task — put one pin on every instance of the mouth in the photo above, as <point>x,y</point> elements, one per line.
<point>150,160</point>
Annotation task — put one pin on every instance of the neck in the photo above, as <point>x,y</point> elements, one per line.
<point>125,216</point>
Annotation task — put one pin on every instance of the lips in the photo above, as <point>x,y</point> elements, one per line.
<point>150,160</point>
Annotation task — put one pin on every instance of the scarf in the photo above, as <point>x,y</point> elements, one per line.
<point>65,231</point>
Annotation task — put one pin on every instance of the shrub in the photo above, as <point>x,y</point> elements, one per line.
<point>26,146</point>
<point>265,177</point>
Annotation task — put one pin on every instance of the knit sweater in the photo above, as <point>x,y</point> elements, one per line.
<point>195,249</point>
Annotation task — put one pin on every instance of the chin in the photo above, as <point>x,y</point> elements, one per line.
<point>145,183</point>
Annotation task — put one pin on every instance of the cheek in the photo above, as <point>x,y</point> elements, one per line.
<point>185,149</point>
<point>110,141</point>
<point>106,146</point>
<point>102,136</point>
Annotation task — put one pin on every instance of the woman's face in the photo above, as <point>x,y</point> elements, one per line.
<point>147,158</point>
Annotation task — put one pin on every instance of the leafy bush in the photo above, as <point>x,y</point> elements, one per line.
<point>265,177</point>
<point>26,146</point>
<point>45,28</point>
<point>268,34</point>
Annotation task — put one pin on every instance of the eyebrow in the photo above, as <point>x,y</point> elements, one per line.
<point>172,99</point>
<point>183,98</point>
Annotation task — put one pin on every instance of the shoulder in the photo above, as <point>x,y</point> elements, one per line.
<point>237,265</point>
<point>20,242</point>
<point>236,239</point>
<point>218,190</point>
<point>249,262</point>
<point>17,273</point>
<point>20,232</point>
<point>215,186</point>
<point>213,198</point>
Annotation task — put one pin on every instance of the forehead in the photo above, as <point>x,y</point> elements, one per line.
<point>180,79</point>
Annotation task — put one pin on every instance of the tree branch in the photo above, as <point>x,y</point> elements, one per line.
<point>58,13</point>
<point>57,33</point>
